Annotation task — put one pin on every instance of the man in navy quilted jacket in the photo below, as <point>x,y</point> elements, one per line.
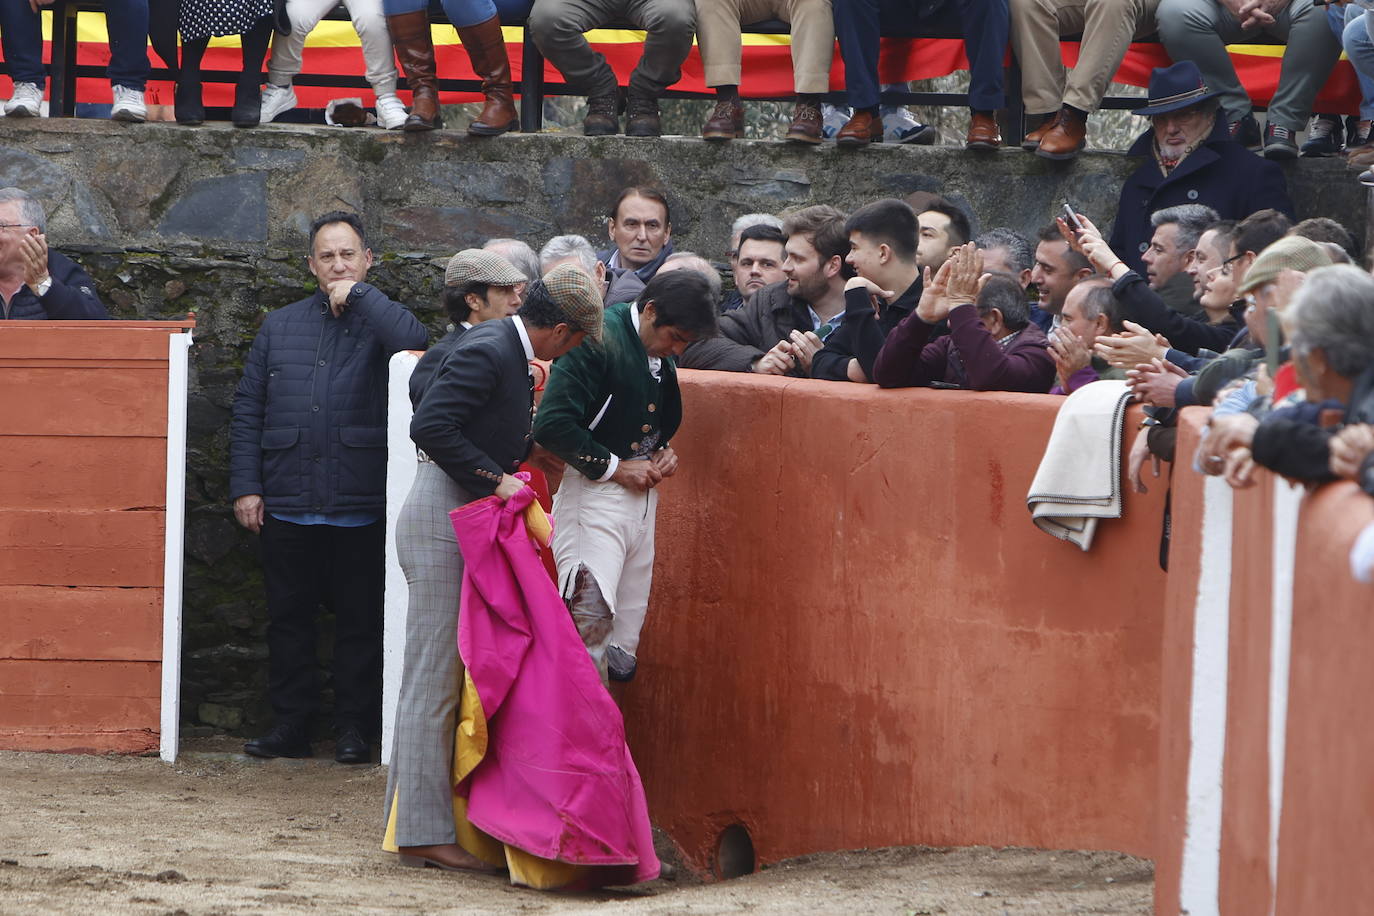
<point>37,283</point>
<point>307,471</point>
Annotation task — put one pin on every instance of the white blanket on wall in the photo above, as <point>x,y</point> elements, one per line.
<point>1079,479</point>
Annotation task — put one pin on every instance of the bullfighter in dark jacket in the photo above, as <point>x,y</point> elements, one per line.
<point>307,470</point>
<point>1190,158</point>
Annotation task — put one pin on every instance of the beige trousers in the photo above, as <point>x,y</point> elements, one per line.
<point>813,38</point>
<point>1107,27</point>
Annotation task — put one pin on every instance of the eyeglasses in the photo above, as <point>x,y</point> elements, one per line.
<point>15,226</point>
<point>1226,264</point>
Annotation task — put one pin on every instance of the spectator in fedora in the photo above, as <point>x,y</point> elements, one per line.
<point>1189,159</point>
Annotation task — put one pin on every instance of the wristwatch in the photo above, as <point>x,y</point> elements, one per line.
<point>42,288</point>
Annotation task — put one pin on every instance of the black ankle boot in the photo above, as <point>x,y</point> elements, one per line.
<point>247,100</point>
<point>189,109</point>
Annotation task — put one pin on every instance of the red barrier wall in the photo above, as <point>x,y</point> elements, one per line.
<point>1324,840</point>
<point>83,455</point>
<point>858,638</point>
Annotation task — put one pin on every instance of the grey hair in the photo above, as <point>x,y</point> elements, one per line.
<point>1004,293</point>
<point>568,246</point>
<point>520,255</point>
<point>30,210</point>
<point>1020,252</point>
<point>1192,220</point>
<point>1100,300</point>
<point>1334,311</point>
<point>693,261</point>
<point>753,219</point>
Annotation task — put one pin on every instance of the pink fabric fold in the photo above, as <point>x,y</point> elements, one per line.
<point>558,780</point>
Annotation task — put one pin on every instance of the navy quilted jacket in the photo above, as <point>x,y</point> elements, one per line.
<point>71,297</point>
<point>309,426</point>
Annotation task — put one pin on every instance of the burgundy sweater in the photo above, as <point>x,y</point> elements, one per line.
<point>968,356</point>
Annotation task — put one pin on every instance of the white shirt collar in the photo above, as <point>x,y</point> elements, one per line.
<point>524,337</point>
<point>655,363</point>
<point>467,325</point>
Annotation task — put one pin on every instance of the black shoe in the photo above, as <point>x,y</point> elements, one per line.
<point>620,665</point>
<point>1325,136</point>
<point>642,118</point>
<point>351,747</point>
<point>1246,132</point>
<point>282,741</point>
<point>1279,143</point>
<point>247,111</point>
<point>603,114</point>
<point>188,107</point>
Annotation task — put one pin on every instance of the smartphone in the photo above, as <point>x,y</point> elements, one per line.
<point>1072,219</point>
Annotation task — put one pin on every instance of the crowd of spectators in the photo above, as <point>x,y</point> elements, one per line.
<point>1057,101</point>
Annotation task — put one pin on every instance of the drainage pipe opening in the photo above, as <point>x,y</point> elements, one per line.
<point>735,853</point>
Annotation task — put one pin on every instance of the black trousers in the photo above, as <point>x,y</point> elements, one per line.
<point>306,568</point>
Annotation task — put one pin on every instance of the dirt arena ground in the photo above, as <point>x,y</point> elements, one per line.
<point>222,833</point>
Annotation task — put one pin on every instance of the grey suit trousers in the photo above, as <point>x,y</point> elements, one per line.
<point>431,672</point>
<point>1200,30</point>
<point>558,26</point>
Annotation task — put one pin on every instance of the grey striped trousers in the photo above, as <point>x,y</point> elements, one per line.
<point>431,672</point>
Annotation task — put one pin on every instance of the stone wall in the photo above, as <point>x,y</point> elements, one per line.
<point>171,220</point>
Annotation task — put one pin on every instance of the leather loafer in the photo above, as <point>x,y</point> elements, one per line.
<point>1065,139</point>
<point>350,747</point>
<point>1032,139</point>
<point>861,130</point>
<point>983,133</point>
<point>726,121</point>
<point>282,741</point>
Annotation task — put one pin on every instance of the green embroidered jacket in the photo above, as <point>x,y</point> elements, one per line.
<point>601,398</point>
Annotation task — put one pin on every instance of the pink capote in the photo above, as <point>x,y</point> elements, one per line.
<point>558,780</point>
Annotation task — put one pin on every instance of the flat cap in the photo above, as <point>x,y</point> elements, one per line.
<point>474,265</point>
<point>573,291</point>
<point>1292,252</point>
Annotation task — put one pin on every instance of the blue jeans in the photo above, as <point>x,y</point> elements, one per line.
<point>986,25</point>
<point>1352,25</point>
<point>463,13</point>
<point>21,41</point>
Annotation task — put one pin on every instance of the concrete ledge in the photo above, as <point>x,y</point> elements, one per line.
<point>215,188</point>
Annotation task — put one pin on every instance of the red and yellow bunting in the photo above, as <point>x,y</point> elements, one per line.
<point>333,49</point>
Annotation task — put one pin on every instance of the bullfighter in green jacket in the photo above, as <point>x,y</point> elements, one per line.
<point>609,411</point>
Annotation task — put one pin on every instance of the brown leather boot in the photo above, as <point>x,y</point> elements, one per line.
<point>1032,139</point>
<point>415,50</point>
<point>1065,138</point>
<point>486,48</point>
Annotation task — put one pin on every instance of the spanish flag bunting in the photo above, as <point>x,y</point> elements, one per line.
<point>333,49</point>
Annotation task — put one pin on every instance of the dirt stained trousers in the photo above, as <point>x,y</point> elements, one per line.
<point>611,529</point>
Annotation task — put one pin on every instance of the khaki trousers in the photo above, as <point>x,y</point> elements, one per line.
<point>813,39</point>
<point>1107,26</point>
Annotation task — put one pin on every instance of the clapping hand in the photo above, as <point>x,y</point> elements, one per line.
<point>1131,347</point>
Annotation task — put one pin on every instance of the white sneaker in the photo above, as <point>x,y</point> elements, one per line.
<point>276,100</point>
<point>128,105</point>
<point>833,118</point>
<point>27,101</point>
<point>391,114</point>
<point>900,126</point>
